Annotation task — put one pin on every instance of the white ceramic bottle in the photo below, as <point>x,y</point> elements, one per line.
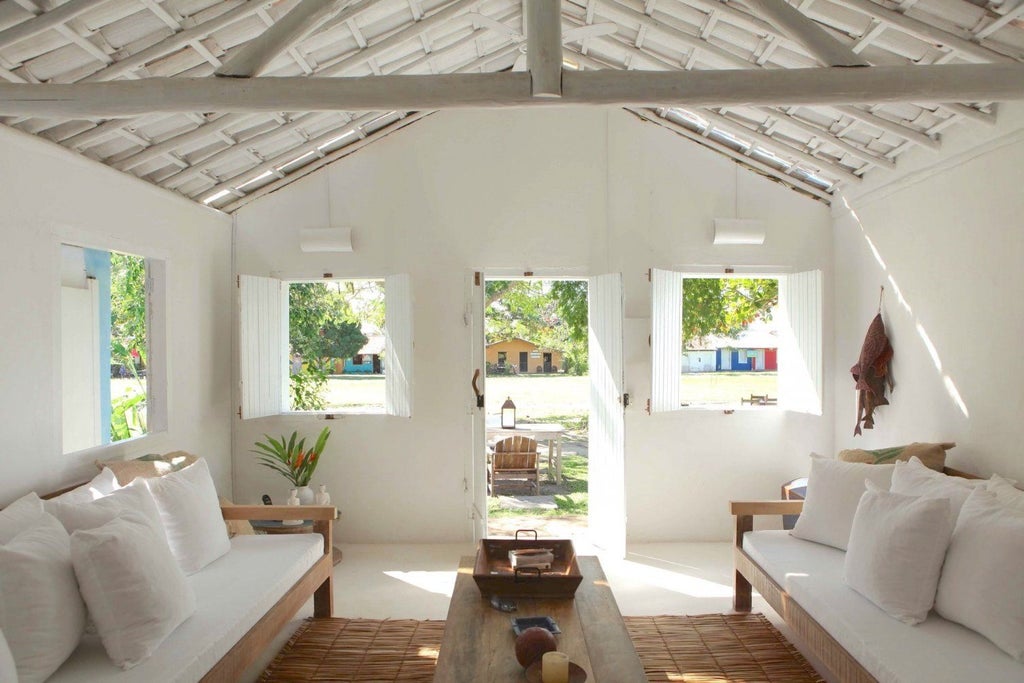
<point>322,497</point>
<point>293,499</point>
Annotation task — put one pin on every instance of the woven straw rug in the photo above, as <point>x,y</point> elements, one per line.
<point>709,648</point>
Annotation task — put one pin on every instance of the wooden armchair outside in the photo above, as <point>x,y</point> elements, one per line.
<point>514,458</point>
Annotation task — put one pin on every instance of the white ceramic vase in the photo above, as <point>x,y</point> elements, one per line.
<point>306,495</point>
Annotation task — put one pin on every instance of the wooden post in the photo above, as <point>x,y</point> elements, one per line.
<point>544,47</point>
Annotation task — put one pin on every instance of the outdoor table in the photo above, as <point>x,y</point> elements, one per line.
<point>552,433</point>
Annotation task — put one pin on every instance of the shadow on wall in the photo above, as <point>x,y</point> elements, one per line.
<point>947,381</point>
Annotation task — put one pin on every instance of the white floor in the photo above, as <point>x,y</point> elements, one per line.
<point>415,582</point>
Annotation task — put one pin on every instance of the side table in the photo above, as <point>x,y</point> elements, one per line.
<point>276,526</point>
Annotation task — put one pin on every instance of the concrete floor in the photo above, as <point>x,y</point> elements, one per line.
<point>415,582</point>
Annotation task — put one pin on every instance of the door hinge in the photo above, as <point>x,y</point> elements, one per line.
<point>239,412</point>
<point>476,278</point>
<point>648,406</point>
<point>648,274</point>
<point>238,281</point>
<point>625,400</point>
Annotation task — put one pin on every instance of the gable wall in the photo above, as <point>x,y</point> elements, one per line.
<point>573,192</point>
<point>949,245</point>
<point>49,196</point>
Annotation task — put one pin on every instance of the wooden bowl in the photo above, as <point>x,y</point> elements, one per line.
<point>576,673</point>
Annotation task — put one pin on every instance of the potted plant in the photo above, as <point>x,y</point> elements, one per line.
<point>291,459</point>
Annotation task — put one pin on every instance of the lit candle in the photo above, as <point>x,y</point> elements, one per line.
<point>554,667</point>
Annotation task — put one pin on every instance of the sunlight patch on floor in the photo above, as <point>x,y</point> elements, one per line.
<point>676,582</point>
<point>442,583</point>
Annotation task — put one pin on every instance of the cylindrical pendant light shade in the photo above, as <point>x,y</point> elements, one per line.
<point>326,239</point>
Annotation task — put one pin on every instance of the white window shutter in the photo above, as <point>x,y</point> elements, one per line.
<point>666,339</point>
<point>398,345</point>
<point>800,354</point>
<point>262,342</point>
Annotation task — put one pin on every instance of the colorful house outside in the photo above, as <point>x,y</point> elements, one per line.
<point>368,361</point>
<point>521,357</point>
<point>754,350</point>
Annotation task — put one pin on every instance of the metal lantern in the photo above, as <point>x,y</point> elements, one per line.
<point>508,414</point>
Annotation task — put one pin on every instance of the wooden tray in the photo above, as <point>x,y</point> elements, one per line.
<point>494,575</point>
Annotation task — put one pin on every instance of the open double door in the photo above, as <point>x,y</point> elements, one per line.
<point>607,493</point>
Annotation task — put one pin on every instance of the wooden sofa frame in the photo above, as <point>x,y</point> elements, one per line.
<point>748,575</point>
<point>317,582</point>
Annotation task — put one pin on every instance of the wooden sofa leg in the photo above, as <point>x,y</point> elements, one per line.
<point>323,599</point>
<point>742,600</point>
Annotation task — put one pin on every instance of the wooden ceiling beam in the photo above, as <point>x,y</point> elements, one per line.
<point>773,87</point>
<point>252,59</point>
<point>807,32</point>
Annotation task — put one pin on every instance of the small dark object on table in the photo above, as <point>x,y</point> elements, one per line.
<point>520,624</point>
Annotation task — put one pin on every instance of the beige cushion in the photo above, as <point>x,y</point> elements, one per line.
<point>148,466</point>
<point>236,527</point>
<point>932,455</point>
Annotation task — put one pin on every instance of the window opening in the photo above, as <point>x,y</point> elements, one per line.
<point>336,345</point>
<point>105,347</point>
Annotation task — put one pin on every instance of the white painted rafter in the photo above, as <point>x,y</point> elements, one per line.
<point>805,31</point>
<point>254,57</point>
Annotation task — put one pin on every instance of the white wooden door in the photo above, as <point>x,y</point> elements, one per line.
<point>607,425</point>
<point>475,468</point>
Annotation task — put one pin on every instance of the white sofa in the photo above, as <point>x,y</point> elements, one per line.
<point>854,639</point>
<point>232,595</point>
<point>243,600</point>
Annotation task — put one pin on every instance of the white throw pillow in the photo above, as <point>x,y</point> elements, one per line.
<point>1005,492</point>
<point>191,514</point>
<point>132,498</point>
<point>834,489</point>
<point>982,585</point>
<point>41,611</point>
<point>135,591</point>
<point>912,478</point>
<point>19,516</point>
<point>896,549</point>
<point>8,669</point>
<point>103,484</point>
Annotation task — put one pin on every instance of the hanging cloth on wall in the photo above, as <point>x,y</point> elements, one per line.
<point>871,373</point>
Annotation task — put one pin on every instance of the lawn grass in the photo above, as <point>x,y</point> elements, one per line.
<point>571,498</point>
<point>726,388</point>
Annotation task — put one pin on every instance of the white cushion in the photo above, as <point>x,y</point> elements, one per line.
<point>896,549</point>
<point>932,652</point>
<point>1005,492</point>
<point>232,594</point>
<point>8,669</point>
<point>191,514</point>
<point>20,515</point>
<point>834,489</point>
<point>982,585</point>
<point>103,484</point>
<point>912,478</point>
<point>41,611</point>
<point>135,591</point>
<point>132,498</point>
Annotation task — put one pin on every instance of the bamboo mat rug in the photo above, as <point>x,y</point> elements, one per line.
<point>708,648</point>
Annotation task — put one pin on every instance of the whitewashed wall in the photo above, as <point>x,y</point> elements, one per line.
<point>947,243</point>
<point>49,196</point>
<point>575,192</point>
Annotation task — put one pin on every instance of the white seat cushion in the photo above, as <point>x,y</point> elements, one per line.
<point>232,594</point>
<point>935,650</point>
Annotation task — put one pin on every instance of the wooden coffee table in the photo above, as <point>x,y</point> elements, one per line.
<point>479,645</point>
